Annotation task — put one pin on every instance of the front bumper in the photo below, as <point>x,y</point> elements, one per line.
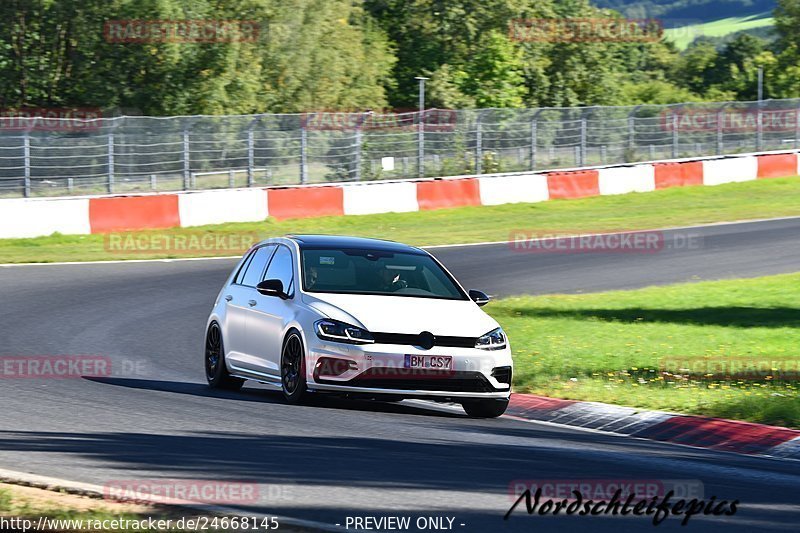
<point>379,369</point>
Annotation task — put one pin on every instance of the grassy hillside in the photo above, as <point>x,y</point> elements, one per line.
<point>682,36</point>
<point>691,11</point>
<point>686,20</point>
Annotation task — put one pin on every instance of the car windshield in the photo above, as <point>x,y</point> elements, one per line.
<point>353,271</point>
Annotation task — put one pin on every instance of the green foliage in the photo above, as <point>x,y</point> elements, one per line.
<point>364,54</point>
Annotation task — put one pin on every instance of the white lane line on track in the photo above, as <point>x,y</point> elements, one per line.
<point>450,408</point>
<point>668,228</point>
<point>89,490</point>
<point>431,247</point>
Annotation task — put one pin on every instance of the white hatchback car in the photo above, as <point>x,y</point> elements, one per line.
<point>360,317</point>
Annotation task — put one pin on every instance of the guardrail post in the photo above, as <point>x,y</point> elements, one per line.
<point>26,149</point>
<point>720,118</point>
<point>303,155</point>
<point>534,127</point>
<point>186,167</point>
<point>153,182</point>
<point>110,162</point>
<point>583,141</point>
<point>478,146</point>
<point>674,136</point>
<point>70,184</point>
<point>251,156</point>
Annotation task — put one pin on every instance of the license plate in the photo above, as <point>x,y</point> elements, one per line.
<point>429,362</point>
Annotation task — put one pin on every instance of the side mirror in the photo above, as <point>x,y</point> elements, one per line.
<point>479,297</point>
<point>271,287</point>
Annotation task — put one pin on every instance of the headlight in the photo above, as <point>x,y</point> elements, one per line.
<point>494,340</point>
<point>333,330</point>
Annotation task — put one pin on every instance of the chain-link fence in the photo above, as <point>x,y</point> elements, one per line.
<point>41,157</point>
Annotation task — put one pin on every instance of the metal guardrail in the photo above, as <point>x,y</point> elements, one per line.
<point>45,157</point>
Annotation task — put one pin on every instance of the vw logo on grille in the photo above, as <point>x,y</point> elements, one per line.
<point>426,340</point>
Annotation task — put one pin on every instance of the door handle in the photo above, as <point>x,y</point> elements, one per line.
<point>252,303</point>
<point>228,298</point>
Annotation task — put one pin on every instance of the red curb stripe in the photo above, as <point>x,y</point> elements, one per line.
<point>717,433</point>
<point>678,174</point>
<point>133,213</point>
<point>439,194</point>
<point>573,184</point>
<point>304,202</point>
<point>777,165</point>
<point>528,405</point>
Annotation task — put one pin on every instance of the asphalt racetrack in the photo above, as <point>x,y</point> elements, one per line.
<point>337,458</point>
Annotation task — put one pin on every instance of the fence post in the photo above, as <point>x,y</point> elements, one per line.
<point>70,184</point>
<point>720,118</point>
<point>231,178</point>
<point>631,132</point>
<point>479,146</point>
<point>357,175</point>
<point>250,158</point>
<point>26,148</point>
<point>186,168</point>
<point>303,155</point>
<point>796,127</point>
<point>421,145</point>
<point>759,129</point>
<point>674,136</point>
<point>534,126</point>
<point>110,162</point>
<point>583,141</point>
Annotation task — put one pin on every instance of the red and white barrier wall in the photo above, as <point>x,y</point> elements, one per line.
<point>103,214</point>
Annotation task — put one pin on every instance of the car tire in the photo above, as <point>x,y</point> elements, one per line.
<point>485,408</point>
<point>216,371</point>
<point>293,368</point>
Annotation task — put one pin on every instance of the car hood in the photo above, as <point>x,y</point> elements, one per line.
<point>399,314</point>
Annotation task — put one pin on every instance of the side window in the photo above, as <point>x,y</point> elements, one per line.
<point>243,268</point>
<point>281,268</point>
<point>252,275</point>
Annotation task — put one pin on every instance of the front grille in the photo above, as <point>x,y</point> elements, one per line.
<point>410,339</point>
<point>423,380</point>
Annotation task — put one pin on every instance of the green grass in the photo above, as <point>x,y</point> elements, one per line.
<point>638,348</point>
<point>669,207</point>
<point>684,35</point>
